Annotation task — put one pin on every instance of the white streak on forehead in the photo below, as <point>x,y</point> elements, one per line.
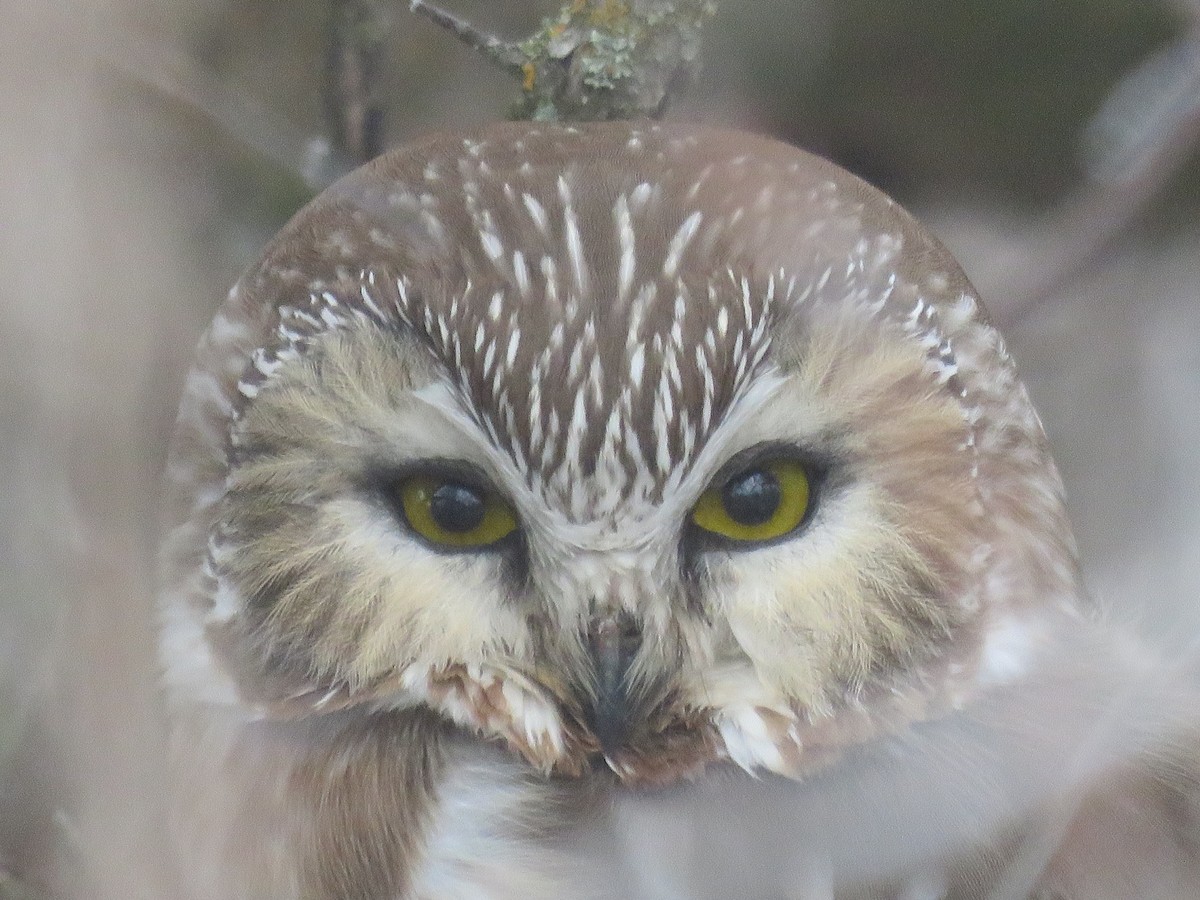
<point>640,195</point>
<point>627,239</point>
<point>574,240</point>
<point>679,243</point>
<point>492,245</point>
<point>537,213</point>
<point>637,366</point>
<point>521,273</point>
<point>496,306</point>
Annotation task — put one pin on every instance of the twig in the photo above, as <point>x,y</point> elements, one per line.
<point>598,59</point>
<point>353,107</point>
<point>180,78</point>
<point>1138,141</point>
<point>503,53</point>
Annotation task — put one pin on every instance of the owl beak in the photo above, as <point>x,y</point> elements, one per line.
<point>613,641</point>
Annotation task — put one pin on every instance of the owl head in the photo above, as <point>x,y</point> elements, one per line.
<point>656,445</point>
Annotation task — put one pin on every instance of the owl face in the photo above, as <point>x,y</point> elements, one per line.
<point>654,445</point>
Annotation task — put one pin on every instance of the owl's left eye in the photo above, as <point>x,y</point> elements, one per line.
<point>456,514</point>
<point>759,503</point>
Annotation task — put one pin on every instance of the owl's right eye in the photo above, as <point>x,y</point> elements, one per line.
<point>455,514</point>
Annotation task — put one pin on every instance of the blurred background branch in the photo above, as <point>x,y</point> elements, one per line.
<point>179,76</point>
<point>1139,140</point>
<point>353,102</point>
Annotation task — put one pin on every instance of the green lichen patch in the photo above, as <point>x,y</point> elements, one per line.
<point>598,59</point>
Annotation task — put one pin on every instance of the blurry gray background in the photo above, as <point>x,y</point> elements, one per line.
<point>148,149</point>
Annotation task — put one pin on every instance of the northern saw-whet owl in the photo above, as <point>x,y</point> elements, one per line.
<point>630,510</point>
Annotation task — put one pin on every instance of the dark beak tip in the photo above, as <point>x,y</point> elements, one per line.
<point>613,641</point>
<point>610,724</point>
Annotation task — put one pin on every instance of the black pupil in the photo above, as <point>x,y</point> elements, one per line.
<point>753,498</point>
<point>456,507</point>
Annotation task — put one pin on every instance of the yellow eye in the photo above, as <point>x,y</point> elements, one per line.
<point>455,514</point>
<point>758,504</point>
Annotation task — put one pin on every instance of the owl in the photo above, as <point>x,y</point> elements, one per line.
<point>632,510</point>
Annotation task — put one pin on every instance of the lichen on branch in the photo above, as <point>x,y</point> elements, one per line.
<point>597,59</point>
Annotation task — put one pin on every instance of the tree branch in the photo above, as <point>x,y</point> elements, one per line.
<point>598,59</point>
<point>353,106</point>
<point>504,54</point>
<point>1137,142</point>
<point>177,76</point>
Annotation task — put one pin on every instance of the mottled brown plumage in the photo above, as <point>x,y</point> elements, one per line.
<point>595,322</point>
